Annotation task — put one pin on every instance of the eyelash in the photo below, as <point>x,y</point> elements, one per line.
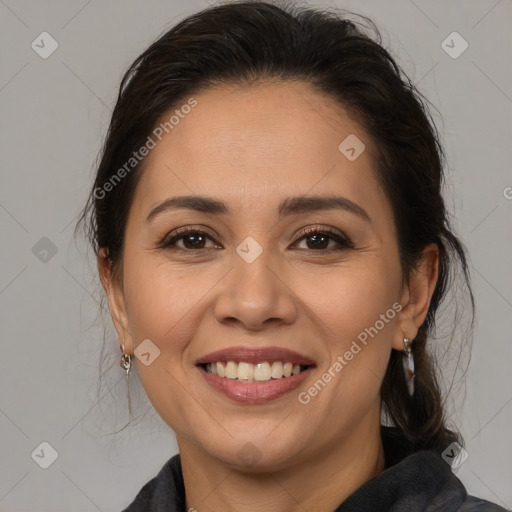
<point>344,243</point>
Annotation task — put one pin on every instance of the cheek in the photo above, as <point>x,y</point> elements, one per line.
<point>353,308</point>
<point>161,300</point>
<point>162,304</point>
<point>351,298</point>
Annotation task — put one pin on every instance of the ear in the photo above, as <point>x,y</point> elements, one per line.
<point>115,295</point>
<point>416,296</point>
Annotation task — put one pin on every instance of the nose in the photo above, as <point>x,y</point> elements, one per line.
<point>255,295</point>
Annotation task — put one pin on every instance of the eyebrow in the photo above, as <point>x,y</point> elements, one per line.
<point>289,206</point>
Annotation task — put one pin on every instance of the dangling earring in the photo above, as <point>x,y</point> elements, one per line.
<point>408,364</point>
<point>126,363</point>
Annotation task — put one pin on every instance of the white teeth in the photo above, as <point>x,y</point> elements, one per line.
<point>245,371</point>
<point>248,372</point>
<point>232,370</point>
<point>277,370</point>
<point>262,372</point>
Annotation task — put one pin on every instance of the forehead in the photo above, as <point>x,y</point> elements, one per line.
<point>261,142</point>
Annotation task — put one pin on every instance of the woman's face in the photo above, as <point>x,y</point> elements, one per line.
<point>253,284</point>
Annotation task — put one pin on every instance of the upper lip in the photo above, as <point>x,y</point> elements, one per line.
<point>255,355</point>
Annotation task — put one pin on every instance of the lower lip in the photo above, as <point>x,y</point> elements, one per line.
<point>255,392</point>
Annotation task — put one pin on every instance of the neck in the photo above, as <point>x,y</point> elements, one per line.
<point>319,483</point>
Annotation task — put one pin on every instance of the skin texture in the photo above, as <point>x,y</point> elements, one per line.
<point>252,147</point>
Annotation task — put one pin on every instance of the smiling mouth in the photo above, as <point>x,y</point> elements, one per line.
<point>245,372</point>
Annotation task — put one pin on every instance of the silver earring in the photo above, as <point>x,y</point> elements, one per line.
<point>408,364</point>
<point>126,360</point>
<point>126,364</point>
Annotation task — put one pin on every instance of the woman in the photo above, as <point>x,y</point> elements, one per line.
<point>273,243</point>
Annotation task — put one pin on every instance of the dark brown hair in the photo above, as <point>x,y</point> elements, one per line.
<point>247,42</point>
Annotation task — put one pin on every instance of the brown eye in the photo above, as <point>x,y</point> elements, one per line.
<point>193,239</point>
<point>318,240</point>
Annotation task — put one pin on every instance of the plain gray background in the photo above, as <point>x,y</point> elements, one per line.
<point>54,115</point>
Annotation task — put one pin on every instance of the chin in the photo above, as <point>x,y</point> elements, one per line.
<point>256,453</point>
